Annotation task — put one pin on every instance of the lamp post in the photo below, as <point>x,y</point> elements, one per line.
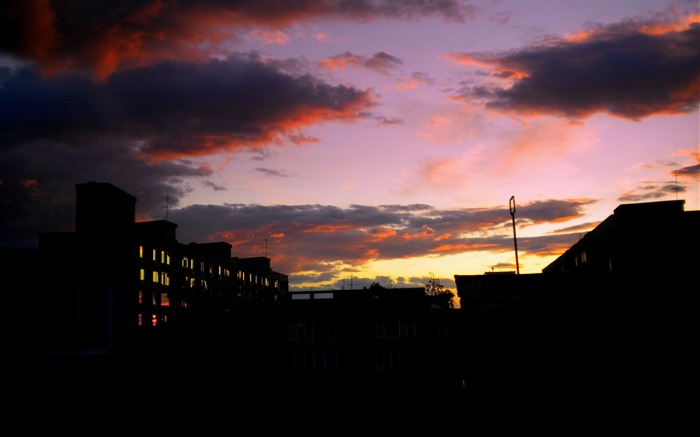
<point>515,238</point>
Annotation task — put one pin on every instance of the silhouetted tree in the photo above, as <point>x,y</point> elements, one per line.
<point>438,293</point>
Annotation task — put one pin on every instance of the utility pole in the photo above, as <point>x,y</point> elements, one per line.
<point>515,238</point>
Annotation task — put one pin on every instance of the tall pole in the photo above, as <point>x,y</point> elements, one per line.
<point>515,238</point>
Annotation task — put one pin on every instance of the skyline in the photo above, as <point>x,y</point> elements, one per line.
<point>352,141</point>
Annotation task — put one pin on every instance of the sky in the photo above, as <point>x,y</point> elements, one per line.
<point>353,141</point>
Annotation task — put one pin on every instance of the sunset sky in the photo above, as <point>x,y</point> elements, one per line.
<point>352,141</point>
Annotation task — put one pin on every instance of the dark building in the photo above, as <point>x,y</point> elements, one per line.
<point>374,343</point>
<point>655,238</point>
<point>117,286</point>
<point>612,310</point>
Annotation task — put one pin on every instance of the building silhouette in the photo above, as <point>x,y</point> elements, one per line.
<point>117,297</point>
<point>117,286</point>
<point>612,311</point>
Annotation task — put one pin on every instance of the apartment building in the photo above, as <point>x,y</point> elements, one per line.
<point>115,285</point>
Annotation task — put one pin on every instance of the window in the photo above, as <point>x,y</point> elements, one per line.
<point>154,320</point>
<point>299,360</point>
<point>297,332</point>
<point>380,330</point>
<point>164,300</point>
<point>140,320</point>
<point>155,276</point>
<point>140,296</point>
<point>154,255</point>
<point>387,360</point>
<point>140,251</point>
<point>164,278</point>
<point>411,329</point>
<point>142,274</point>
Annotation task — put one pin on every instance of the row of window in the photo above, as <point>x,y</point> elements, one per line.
<point>157,299</point>
<point>163,257</point>
<point>322,360</point>
<point>312,332</point>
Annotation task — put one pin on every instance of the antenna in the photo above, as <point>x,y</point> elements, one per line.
<point>515,239</point>
<point>167,205</point>
<point>266,247</point>
<point>675,174</point>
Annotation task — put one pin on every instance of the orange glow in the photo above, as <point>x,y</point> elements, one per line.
<point>209,144</point>
<point>499,67</point>
<point>451,247</point>
<point>338,63</point>
<point>680,25</point>
<point>427,233</point>
<point>381,234</point>
<point>327,228</point>
<point>442,237</point>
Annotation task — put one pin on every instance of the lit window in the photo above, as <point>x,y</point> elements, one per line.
<point>154,255</point>
<point>164,300</point>
<point>140,296</point>
<point>155,277</point>
<point>140,251</point>
<point>142,274</point>
<point>140,319</point>
<point>154,320</point>
<point>154,299</point>
<point>184,262</point>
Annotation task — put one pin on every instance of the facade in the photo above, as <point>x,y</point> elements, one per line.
<point>115,285</point>
<point>191,315</point>
<point>617,301</point>
<point>658,238</point>
<point>374,343</point>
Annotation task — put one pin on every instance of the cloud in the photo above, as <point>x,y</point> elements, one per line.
<point>316,236</point>
<point>271,172</point>
<point>380,62</point>
<point>173,109</point>
<point>109,36</point>
<point>630,70</point>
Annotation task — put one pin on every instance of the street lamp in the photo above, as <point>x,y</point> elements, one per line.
<point>515,238</point>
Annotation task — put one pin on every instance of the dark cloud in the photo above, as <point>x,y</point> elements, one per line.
<point>271,172</point>
<point>381,62</point>
<point>319,238</point>
<point>108,36</point>
<point>624,70</point>
<point>691,171</point>
<point>654,191</point>
<point>37,184</point>
<point>174,109</point>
